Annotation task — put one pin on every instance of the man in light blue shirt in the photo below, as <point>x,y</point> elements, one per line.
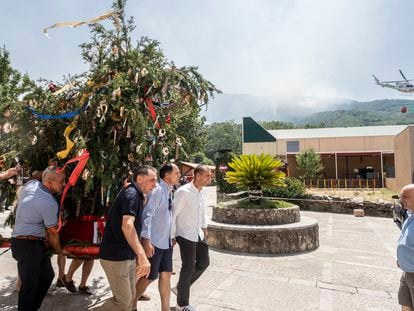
<point>405,251</point>
<point>36,219</point>
<point>156,234</point>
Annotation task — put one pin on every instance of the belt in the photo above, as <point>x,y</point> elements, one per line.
<point>29,237</point>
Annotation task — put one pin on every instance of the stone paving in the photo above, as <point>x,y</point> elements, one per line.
<point>353,269</point>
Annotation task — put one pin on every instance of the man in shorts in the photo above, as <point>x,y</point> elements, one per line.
<point>405,251</point>
<point>156,234</point>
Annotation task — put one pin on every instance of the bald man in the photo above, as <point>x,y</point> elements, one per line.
<point>36,219</point>
<point>405,251</point>
<point>189,229</point>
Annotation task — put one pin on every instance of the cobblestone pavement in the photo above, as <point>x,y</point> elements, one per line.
<point>353,269</point>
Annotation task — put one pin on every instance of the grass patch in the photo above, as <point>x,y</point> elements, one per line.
<point>258,204</point>
<point>366,194</point>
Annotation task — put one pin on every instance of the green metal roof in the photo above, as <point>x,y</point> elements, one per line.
<point>254,133</point>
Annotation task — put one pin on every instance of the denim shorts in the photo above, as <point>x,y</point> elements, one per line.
<point>161,261</point>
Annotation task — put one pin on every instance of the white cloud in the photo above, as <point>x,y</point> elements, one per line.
<point>285,48</point>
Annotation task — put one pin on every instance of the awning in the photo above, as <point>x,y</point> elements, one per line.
<point>194,165</point>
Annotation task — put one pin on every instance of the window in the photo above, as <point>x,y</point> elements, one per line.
<point>292,146</point>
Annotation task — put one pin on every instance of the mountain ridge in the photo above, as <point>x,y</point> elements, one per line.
<point>310,111</point>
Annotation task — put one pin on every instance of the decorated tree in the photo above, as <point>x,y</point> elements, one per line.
<point>132,107</point>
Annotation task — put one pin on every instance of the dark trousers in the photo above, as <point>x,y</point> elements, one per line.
<point>35,271</point>
<point>195,259</point>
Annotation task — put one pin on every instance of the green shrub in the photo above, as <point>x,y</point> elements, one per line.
<point>255,172</point>
<point>259,204</point>
<point>294,189</point>
<point>309,163</point>
<point>223,157</point>
<point>222,184</point>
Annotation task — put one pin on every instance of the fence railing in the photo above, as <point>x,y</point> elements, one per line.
<point>345,183</point>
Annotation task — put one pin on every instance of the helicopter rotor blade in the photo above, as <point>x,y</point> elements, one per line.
<point>393,81</point>
<point>402,75</point>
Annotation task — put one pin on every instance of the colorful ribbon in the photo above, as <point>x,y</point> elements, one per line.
<point>153,113</point>
<point>164,105</point>
<point>64,88</point>
<point>66,115</point>
<point>89,21</point>
<point>151,108</point>
<point>82,160</point>
<point>69,144</point>
<point>74,113</point>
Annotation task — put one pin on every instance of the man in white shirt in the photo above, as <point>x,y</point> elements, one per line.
<point>189,229</point>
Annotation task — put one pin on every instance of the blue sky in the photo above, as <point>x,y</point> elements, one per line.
<point>272,48</point>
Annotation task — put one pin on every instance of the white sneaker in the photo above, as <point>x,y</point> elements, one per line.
<point>174,290</point>
<point>186,308</point>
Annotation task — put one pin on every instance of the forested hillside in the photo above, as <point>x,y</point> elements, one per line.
<point>379,112</point>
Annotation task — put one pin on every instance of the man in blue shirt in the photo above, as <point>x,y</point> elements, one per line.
<point>405,252</point>
<point>156,234</point>
<point>121,254</point>
<point>36,218</point>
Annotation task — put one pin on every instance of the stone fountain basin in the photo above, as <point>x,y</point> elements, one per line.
<point>265,239</point>
<point>262,230</point>
<point>256,216</point>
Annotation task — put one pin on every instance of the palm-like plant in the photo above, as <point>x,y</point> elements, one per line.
<point>254,172</point>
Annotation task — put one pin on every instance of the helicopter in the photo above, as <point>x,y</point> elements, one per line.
<point>404,86</point>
